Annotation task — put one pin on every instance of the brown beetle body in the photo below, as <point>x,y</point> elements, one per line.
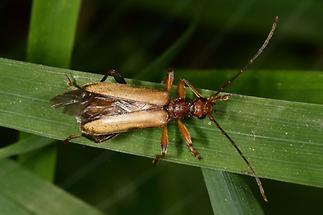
<point>107,109</point>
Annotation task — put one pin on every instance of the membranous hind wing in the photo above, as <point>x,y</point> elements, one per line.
<point>71,101</point>
<point>97,106</point>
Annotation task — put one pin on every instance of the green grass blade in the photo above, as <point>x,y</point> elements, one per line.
<point>51,44</point>
<point>24,193</point>
<point>230,194</point>
<point>281,139</point>
<point>9,207</point>
<point>52,32</point>
<point>25,145</point>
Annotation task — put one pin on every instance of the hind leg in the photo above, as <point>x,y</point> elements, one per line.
<point>116,75</point>
<point>95,138</point>
<point>99,138</point>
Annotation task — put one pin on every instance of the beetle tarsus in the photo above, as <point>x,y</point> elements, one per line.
<point>118,77</point>
<point>71,137</point>
<point>221,98</point>
<point>158,158</point>
<point>71,82</point>
<point>99,138</point>
<point>195,153</point>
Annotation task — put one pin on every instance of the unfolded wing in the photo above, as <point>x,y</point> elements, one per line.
<point>87,106</point>
<point>97,106</point>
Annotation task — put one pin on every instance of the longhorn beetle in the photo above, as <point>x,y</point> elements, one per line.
<point>106,109</point>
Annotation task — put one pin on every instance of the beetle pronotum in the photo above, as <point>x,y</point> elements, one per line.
<point>107,109</point>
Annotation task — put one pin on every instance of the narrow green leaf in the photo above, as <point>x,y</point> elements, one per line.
<point>24,193</point>
<point>24,145</point>
<point>51,38</point>
<point>230,194</point>
<point>52,31</point>
<point>41,161</point>
<point>281,139</point>
<point>9,207</point>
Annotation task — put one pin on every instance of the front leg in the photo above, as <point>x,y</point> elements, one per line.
<point>221,98</point>
<point>187,137</point>
<point>192,88</point>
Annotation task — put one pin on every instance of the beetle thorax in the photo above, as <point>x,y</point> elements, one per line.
<point>200,108</point>
<point>180,108</point>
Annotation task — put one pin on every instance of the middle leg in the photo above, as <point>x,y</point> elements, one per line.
<point>163,145</point>
<point>169,79</point>
<point>116,75</point>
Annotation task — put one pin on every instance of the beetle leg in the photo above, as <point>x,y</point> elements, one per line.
<point>169,79</point>
<point>99,138</point>
<point>181,89</point>
<point>192,88</point>
<point>187,137</point>
<point>163,145</point>
<point>71,82</point>
<point>116,75</point>
<point>222,97</point>
<point>71,137</point>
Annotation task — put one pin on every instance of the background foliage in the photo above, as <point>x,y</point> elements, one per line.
<point>130,36</point>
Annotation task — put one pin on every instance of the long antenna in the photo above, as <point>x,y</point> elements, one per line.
<point>261,189</point>
<point>260,50</point>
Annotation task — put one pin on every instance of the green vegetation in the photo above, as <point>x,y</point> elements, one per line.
<point>277,126</point>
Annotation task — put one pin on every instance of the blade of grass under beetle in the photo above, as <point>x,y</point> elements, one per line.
<point>52,31</point>
<point>50,41</point>
<point>282,140</point>
<point>229,193</point>
<point>23,193</point>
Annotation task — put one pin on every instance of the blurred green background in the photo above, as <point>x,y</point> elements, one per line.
<point>129,36</point>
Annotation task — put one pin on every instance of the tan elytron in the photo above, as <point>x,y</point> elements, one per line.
<point>125,122</point>
<point>127,92</point>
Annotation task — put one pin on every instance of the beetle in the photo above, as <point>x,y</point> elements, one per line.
<point>106,109</point>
